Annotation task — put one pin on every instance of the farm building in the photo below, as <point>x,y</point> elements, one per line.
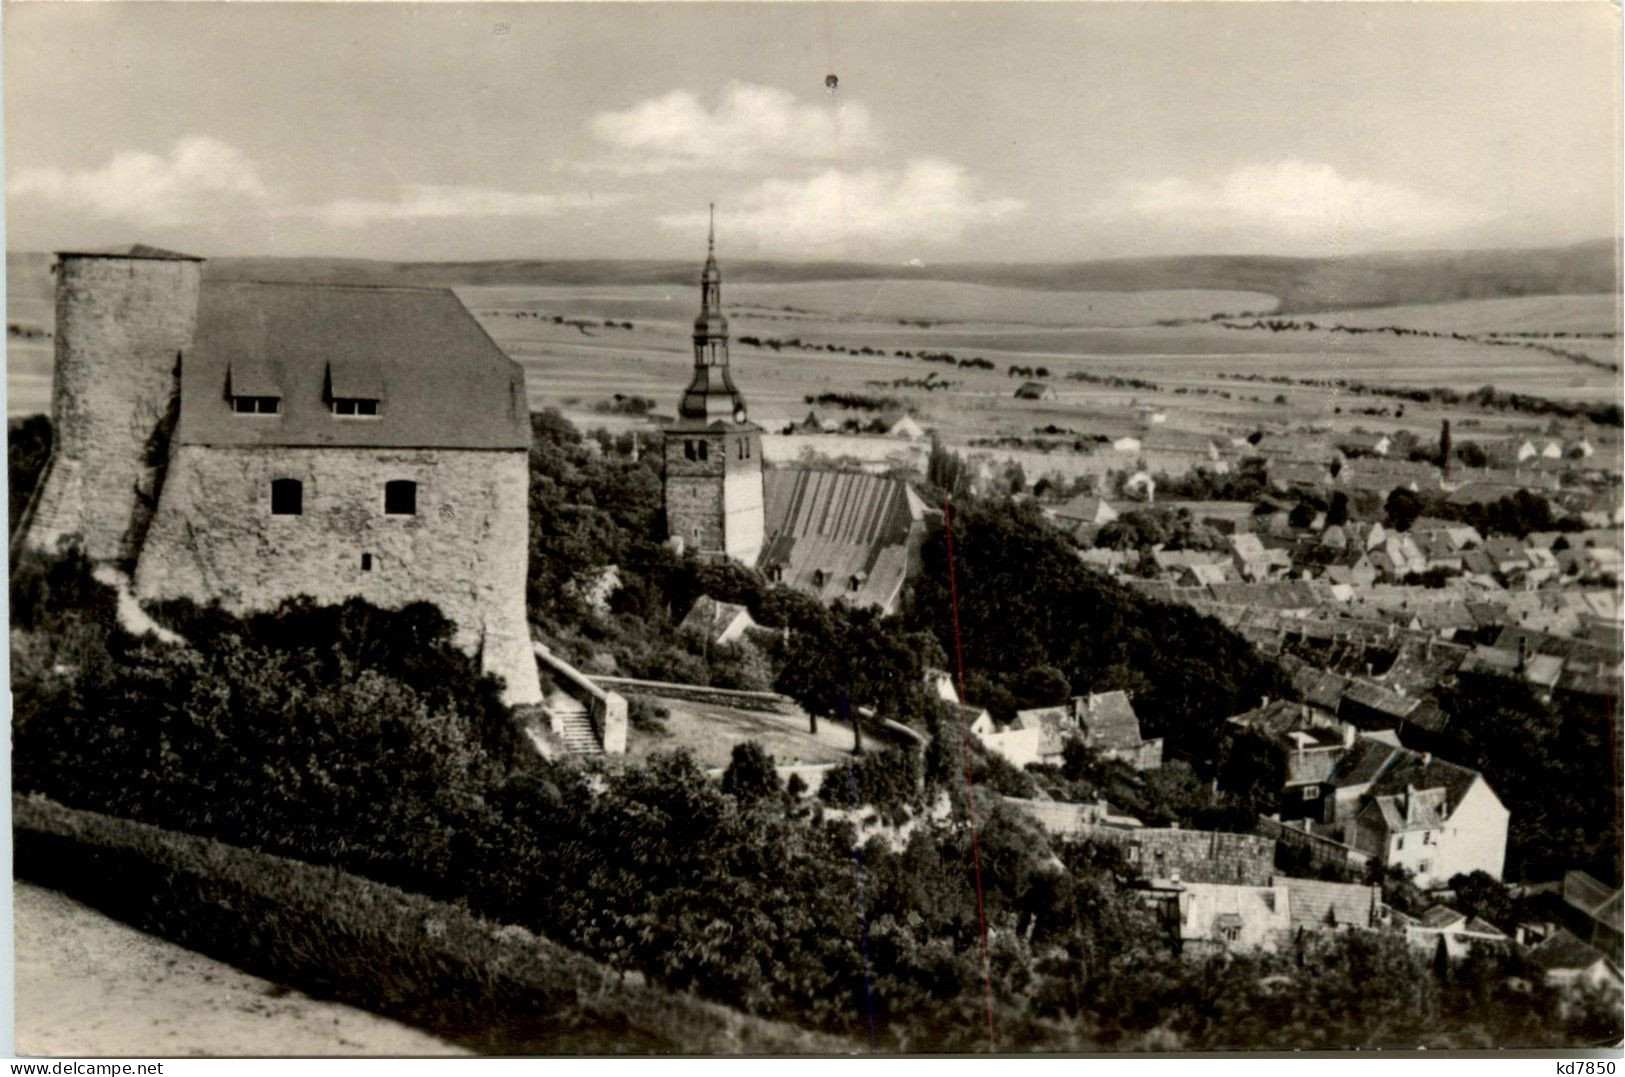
<point>1035,390</point>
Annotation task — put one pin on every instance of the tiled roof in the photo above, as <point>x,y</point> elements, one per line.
<point>711,617</point>
<point>1364,761</point>
<point>1051,722</point>
<point>1564,951</point>
<point>846,525</point>
<point>1442,916</point>
<point>1109,721</point>
<point>1425,773</point>
<point>1316,904</point>
<point>444,383</point>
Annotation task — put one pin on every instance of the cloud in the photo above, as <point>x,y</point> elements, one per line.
<point>420,202</point>
<point>200,176</point>
<point>926,203</point>
<point>1282,206</point>
<point>750,127</point>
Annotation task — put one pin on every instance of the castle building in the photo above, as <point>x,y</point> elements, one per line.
<point>247,442</point>
<point>713,453</point>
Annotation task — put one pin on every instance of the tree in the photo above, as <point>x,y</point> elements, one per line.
<point>1337,514</point>
<point>1444,445</point>
<point>1402,508</point>
<point>751,775</point>
<point>1302,515</point>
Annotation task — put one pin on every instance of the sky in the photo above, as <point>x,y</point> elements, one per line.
<point>955,132</point>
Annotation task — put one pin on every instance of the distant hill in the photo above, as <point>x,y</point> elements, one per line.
<point>1302,284</point>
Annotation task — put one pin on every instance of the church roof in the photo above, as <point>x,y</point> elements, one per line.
<point>840,534</point>
<point>440,380</point>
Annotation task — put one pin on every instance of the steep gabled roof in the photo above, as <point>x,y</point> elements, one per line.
<point>1315,904</point>
<point>853,527</point>
<point>1109,721</point>
<point>1423,774</point>
<point>1563,951</point>
<point>1052,724</point>
<point>444,382</point>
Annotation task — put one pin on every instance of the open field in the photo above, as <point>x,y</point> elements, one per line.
<point>574,360</point>
<point>1300,284</point>
<point>1525,314</point>
<point>89,985</point>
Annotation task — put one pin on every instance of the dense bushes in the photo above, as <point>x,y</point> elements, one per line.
<point>28,447</point>
<point>498,990</point>
<point>1025,600</point>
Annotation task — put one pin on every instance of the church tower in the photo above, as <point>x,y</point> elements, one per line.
<point>713,453</point>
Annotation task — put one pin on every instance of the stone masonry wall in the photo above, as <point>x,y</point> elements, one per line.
<point>715,505</point>
<point>1196,856</point>
<point>693,491</point>
<point>465,549</point>
<point>122,326</point>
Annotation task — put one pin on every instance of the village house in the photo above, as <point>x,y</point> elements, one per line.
<point>1213,918</point>
<point>1082,516</point>
<point>1035,390</point>
<point>1441,929</point>
<point>1299,742</point>
<point>1105,723</point>
<point>717,622</point>
<point>1572,963</point>
<point>1317,905</point>
<point>1409,810</point>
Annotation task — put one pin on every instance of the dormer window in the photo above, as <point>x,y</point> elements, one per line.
<point>355,388</point>
<point>254,388</point>
<point>355,407</point>
<point>256,405</point>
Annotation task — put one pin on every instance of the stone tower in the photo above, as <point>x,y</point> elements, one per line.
<point>713,453</point>
<point>124,321</point>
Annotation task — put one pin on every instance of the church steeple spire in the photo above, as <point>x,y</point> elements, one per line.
<point>711,393</point>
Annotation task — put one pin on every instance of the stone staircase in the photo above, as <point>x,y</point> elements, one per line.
<point>573,725</point>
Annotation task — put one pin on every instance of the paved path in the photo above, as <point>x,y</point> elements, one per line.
<point>88,985</point>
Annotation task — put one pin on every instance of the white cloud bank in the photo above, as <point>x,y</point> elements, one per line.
<point>203,179</point>
<point>750,127</point>
<point>838,213</point>
<point>420,202</point>
<point>1287,206</point>
<point>199,177</point>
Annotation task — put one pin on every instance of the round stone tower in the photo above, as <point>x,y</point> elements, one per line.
<point>124,321</point>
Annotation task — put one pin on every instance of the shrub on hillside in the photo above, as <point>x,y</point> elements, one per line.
<point>497,990</point>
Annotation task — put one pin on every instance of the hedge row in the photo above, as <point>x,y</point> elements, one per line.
<point>495,990</point>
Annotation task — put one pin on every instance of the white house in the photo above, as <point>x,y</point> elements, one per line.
<point>1019,745</point>
<point>1413,811</point>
